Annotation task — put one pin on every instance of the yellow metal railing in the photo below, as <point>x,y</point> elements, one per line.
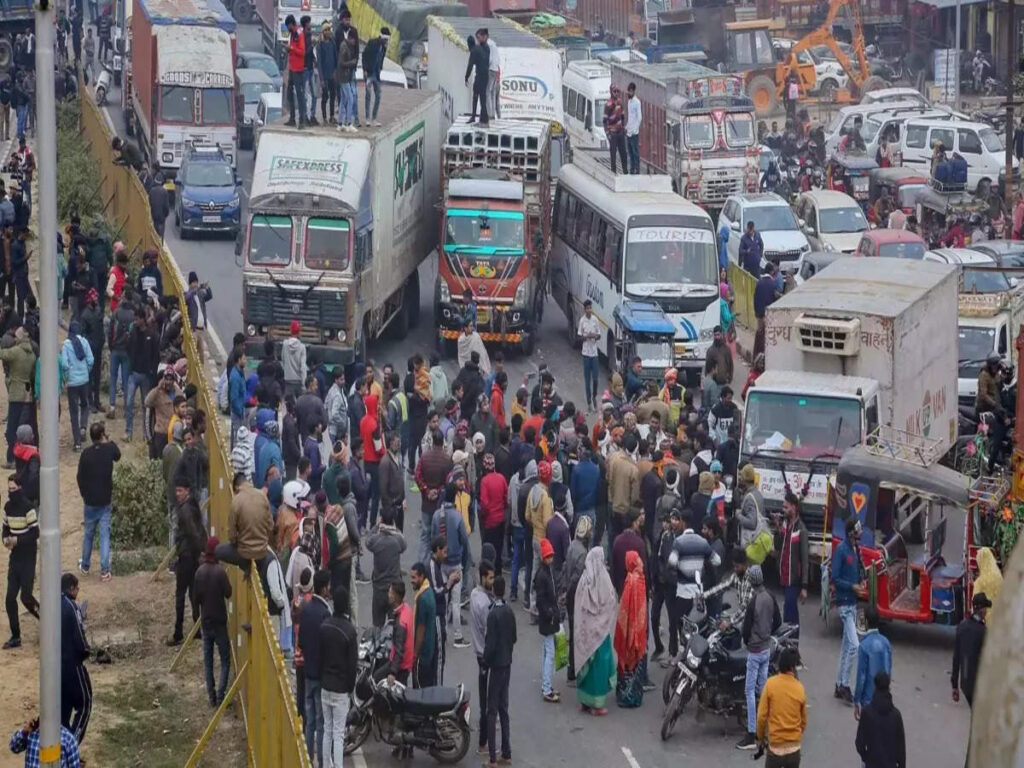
<point>263,687</point>
<point>742,283</point>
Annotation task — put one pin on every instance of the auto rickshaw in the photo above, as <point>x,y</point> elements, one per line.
<point>908,504</point>
<point>849,172</point>
<point>934,209</point>
<point>643,330</point>
<point>900,183</point>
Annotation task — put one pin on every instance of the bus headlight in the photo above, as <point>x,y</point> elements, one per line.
<point>706,333</point>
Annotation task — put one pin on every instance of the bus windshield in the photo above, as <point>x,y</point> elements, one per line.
<point>802,426</point>
<point>669,260</point>
<point>485,233</point>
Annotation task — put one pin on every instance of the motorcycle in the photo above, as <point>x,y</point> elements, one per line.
<point>715,669</point>
<point>103,85</point>
<point>435,719</point>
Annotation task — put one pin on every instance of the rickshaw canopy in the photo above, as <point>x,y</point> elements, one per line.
<point>644,317</point>
<point>895,174</point>
<point>854,161</point>
<point>947,203</point>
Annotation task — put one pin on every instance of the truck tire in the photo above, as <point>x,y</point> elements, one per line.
<point>827,91</point>
<point>762,92</point>
<point>6,54</point>
<point>243,11</point>
<point>873,83</point>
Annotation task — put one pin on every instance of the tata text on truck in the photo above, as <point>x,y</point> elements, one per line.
<point>337,226</point>
<point>182,78</point>
<point>698,127</point>
<point>620,238</point>
<point>271,15</point>
<point>495,229</point>
<point>866,343</point>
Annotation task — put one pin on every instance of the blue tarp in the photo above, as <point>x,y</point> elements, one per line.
<point>644,317</point>
<point>199,13</point>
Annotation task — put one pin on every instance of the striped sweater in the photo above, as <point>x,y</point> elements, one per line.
<point>20,520</point>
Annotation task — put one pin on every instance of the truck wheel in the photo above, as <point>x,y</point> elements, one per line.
<point>873,83</point>
<point>243,12</point>
<point>570,313</point>
<point>6,54</point>
<point>762,93</point>
<point>827,92</point>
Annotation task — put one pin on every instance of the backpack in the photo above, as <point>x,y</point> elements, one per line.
<point>119,331</point>
<point>223,400</point>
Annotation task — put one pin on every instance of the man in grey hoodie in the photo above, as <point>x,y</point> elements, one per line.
<point>293,360</point>
<point>386,544</point>
<point>761,620</point>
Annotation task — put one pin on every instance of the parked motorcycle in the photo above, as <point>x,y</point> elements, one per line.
<point>103,85</point>
<point>434,719</point>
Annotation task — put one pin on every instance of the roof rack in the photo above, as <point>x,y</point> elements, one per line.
<point>891,443</point>
<point>989,491</point>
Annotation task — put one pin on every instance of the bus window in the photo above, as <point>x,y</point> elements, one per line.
<point>570,104</point>
<point>613,255</point>
<point>597,238</point>
<point>588,120</point>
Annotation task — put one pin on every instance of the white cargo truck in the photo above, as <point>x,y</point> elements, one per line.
<point>337,226</point>
<point>867,343</point>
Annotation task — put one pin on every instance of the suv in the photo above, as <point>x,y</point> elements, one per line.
<point>207,198</point>
<point>773,219</point>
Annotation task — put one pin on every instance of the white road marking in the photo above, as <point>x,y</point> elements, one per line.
<point>629,757</point>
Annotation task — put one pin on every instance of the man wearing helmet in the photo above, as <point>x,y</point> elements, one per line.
<point>989,401</point>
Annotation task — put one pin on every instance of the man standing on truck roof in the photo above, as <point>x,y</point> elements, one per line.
<point>479,58</point>
<point>309,66</point>
<point>634,116</point>
<point>493,76</point>
<point>373,62</point>
<point>341,38</point>
<point>296,66</point>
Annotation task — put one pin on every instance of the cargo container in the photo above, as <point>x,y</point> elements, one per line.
<point>181,79</point>
<point>867,343</point>
<point>613,19</point>
<point>337,226</point>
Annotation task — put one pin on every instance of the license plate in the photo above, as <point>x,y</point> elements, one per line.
<point>211,219</point>
<point>483,316</point>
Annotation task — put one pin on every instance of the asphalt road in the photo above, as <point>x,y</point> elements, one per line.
<point>546,735</point>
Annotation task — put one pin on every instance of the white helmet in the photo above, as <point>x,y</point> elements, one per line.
<point>293,492</point>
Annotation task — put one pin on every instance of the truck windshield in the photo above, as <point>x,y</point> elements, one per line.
<point>176,102</point>
<point>974,345</point>
<point>483,232</point>
<point>668,259</point>
<point>802,426</point>
<point>979,281</point>
<point>327,244</point>
<point>739,130</point>
<point>217,103</point>
<point>699,132</point>
<point>270,240</point>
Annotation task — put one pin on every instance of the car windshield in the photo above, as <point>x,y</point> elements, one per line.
<point>327,244</point>
<point>270,240</point>
<point>974,345</point>
<point>207,174</point>
<point>803,426</point>
<point>991,140</point>
<point>839,220</point>
<point>264,64</point>
<point>483,233</point>
<point>739,130</point>
<point>217,106</point>
<point>664,260</point>
<point>983,281</point>
<point>901,250</point>
<point>774,218</point>
<point>251,91</point>
<point>176,104</point>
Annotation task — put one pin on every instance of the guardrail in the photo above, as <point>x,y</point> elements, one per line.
<point>743,283</point>
<point>262,685</point>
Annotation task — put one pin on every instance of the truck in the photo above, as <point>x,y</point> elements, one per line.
<point>270,15</point>
<point>16,17</point>
<point>495,230</point>
<point>697,127</point>
<point>987,324</point>
<point>337,226</point>
<point>867,345</point>
<point>180,79</point>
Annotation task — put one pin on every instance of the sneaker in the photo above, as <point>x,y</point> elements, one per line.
<point>837,692</point>
<point>14,642</point>
<point>313,121</point>
<point>483,751</point>
<point>361,578</point>
<point>847,695</point>
<point>513,597</point>
<point>290,123</point>
<point>111,413</point>
<point>749,741</point>
<point>174,641</point>
<point>649,686</point>
<point>82,569</point>
<point>461,642</point>
<point>657,653</point>
<point>504,761</point>
<point>76,447</point>
<point>552,697</point>
<point>413,488</point>
<point>106,576</point>
<point>127,437</point>
<point>376,123</point>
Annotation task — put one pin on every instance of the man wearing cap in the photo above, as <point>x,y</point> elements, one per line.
<point>189,543</point>
<point>160,399</point>
<point>970,637</point>
<point>212,590</point>
<point>849,580</point>
<point>589,332</point>
<point>293,360</point>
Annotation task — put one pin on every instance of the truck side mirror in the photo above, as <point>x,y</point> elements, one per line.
<point>734,226</point>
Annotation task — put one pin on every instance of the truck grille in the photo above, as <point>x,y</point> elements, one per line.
<point>316,311</point>
<point>778,257</point>
<point>717,190</point>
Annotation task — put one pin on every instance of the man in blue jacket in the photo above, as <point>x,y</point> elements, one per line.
<point>236,395</point>
<point>874,656</point>
<point>448,522</point>
<point>583,487</point>
<point>848,578</point>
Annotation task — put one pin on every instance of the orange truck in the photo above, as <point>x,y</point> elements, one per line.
<point>495,231</point>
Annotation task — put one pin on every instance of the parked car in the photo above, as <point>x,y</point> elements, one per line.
<point>267,111</point>
<point>250,84</point>
<point>892,244</point>
<point>977,143</point>
<point>832,221</point>
<point>773,219</point>
<point>261,61</point>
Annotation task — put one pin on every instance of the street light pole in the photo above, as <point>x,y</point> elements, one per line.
<point>49,488</point>
<point>1011,69</point>
<point>956,48</point>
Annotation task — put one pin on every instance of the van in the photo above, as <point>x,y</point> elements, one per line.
<point>977,143</point>
<point>267,112</point>
<point>585,87</point>
<point>877,118</point>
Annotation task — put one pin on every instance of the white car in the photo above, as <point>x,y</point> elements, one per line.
<point>829,73</point>
<point>832,221</point>
<point>773,220</point>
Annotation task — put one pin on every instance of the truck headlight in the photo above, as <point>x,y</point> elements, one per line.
<point>167,157</point>
<point>342,336</point>
<point>520,298</point>
<point>446,295</point>
<point>250,329</point>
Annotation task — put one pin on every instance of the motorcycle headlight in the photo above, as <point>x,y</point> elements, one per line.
<point>446,295</point>
<point>520,298</point>
<point>691,661</point>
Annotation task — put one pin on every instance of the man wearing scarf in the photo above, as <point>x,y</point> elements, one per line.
<point>76,357</point>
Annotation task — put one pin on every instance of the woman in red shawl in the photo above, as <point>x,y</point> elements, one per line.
<point>631,635</point>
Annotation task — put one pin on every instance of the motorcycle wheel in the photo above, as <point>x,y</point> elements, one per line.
<point>456,734</point>
<point>356,734</point>
<point>674,710</point>
<point>669,684</point>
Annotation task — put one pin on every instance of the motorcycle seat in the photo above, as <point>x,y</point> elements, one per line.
<point>737,658</point>
<point>431,701</point>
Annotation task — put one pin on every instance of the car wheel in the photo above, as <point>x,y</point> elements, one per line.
<point>827,92</point>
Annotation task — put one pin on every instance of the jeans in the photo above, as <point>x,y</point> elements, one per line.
<point>372,84</point>
<point>790,609</point>
<point>497,708</point>
<point>335,713</point>
<point>135,382</point>
<point>848,650</point>
<point>633,150</point>
<point>17,414</point>
<point>22,119</point>
<point>309,86</point>
<point>348,101</point>
<point>216,635</point>
<point>617,143</point>
<point>296,94</point>
<point>285,635</point>
<point>373,498</point>
<point>96,516</point>
<point>479,98</point>
<point>425,520</point>
<point>313,723</point>
<point>481,683</point>
<point>591,376</point>
<point>547,663</point>
<point>78,407</point>
<point>454,599</point>
<point>185,575</point>
<point>328,93</point>
<point>236,422</point>
<point>21,574</point>
<point>757,674</point>
<point>492,92</point>
<point>119,369</point>
<point>518,559</point>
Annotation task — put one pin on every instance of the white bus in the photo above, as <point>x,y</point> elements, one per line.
<point>585,86</point>
<point>630,237</point>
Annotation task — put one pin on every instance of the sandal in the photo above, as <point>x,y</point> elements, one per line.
<point>552,697</point>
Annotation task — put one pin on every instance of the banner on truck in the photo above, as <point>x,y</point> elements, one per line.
<point>531,83</point>
<point>409,186</point>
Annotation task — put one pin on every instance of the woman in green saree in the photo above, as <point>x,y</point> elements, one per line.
<point>595,613</point>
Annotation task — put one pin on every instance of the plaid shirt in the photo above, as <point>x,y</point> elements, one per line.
<point>743,594</point>
<point>30,746</point>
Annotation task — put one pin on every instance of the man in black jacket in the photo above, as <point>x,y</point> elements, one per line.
<point>479,57</point>
<point>144,358</point>
<point>970,636</point>
<point>547,616</point>
<point>75,684</point>
<point>472,384</point>
<point>311,617</point>
<point>96,484</point>
<point>189,543</point>
<point>212,591</point>
<point>339,661</point>
<point>500,638</point>
<point>881,742</point>
<point>20,531</point>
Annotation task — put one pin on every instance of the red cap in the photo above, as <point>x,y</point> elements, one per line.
<point>295,328</point>
<point>544,472</point>
<point>546,550</point>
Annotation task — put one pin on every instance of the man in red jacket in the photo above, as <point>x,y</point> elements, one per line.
<point>493,497</point>
<point>373,452</point>
<point>296,69</point>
